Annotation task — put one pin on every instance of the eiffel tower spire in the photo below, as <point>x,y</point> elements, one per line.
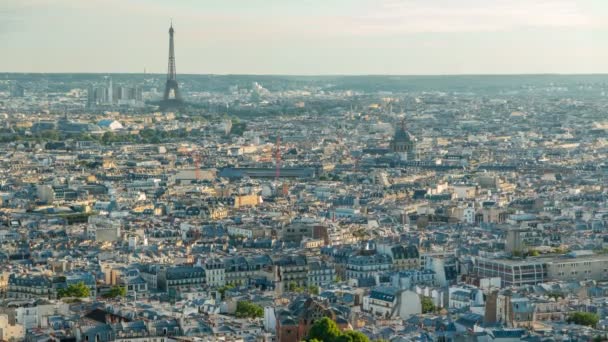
<point>171,87</point>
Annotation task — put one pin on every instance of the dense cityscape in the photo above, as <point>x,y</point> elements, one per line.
<point>161,208</point>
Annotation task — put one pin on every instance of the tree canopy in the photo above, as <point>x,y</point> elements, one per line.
<point>78,290</point>
<point>327,330</point>
<point>352,336</point>
<point>222,290</point>
<point>583,318</point>
<point>247,309</point>
<point>427,305</point>
<point>116,291</point>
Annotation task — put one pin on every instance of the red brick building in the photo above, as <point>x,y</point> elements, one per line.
<point>294,322</point>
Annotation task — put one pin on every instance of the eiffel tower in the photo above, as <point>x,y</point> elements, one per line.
<point>171,87</point>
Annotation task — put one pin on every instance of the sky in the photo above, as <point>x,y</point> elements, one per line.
<point>306,37</point>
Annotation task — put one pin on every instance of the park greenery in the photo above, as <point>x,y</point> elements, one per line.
<point>78,290</point>
<point>327,330</point>
<point>247,309</point>
<point>144,136</point>
<point>583,318</point>
<point>116,291</point>
<point>293,287</point>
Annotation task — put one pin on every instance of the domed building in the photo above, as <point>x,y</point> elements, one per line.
<point>403,143</point>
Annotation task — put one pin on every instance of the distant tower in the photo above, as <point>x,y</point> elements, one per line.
<point>171,85</point>
<point>403,143</point>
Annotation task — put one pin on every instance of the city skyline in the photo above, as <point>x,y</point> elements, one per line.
<point>309,38</point>
<point>313,170</point>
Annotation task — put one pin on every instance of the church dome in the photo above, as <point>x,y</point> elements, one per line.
<point>403,143</point>
<point>402,135</point>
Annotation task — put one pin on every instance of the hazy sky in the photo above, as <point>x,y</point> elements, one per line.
<point>306,36</point>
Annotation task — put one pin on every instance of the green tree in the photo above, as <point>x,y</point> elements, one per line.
<point>147,133</point>
<point>247,309</point>
<point>583,318</point>
<point>238,128</point>
<point>293,287</point>
<point>108,137</point>
<point>222,290</point>
<point>116,291</point>
<point>427,304</point>
<point>325,330</point>
<point>352,336</point>
<point>313,290</point>
<point>533,253</point>
<point>78,290</point>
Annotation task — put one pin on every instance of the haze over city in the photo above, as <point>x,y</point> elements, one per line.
<point>303,171</point>
<point>307,37</point>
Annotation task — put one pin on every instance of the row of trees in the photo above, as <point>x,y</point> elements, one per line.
<point>81,290</point>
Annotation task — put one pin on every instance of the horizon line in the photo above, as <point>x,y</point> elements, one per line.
<point>308,75</point>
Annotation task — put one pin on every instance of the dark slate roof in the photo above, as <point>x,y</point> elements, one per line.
<point>385,293</point>
<point>182,272</point>
<point>507,333</point>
